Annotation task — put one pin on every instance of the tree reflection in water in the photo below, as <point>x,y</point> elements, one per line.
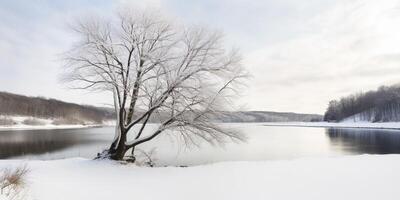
<point>368,141</point>
<point>21,142</point>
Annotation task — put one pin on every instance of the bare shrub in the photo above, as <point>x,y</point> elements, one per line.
<point>5,121</point>
<point>146,158</point>
<point>33,122</point>
<point>13,181</point>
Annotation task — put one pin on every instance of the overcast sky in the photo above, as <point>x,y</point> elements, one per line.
<point>301,54</point>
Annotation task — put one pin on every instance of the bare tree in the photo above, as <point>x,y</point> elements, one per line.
<point>156,69</point>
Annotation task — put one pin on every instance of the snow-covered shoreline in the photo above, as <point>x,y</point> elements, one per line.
<point>347,177</point>
<point>33,123</point>
<point>369,125</point>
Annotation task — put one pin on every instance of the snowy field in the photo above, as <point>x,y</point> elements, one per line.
<point>349,177</point>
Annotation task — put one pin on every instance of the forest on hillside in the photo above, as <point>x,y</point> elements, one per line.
<point>13,104</point>
<point>70,113</point>
<point>381,105</point>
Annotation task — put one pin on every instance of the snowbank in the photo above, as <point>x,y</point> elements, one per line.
<point>348,124</point>
<point>33,123</point>
<point>351,177</point>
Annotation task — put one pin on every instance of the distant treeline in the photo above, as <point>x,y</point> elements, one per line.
<point>251,117</point>
<point>381,105</point>
<point>13,104</point>
<point>267,116</point>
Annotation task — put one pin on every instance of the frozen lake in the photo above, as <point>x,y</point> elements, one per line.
<point>264,143</point>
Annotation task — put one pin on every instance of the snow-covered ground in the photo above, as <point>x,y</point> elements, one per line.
<point>346,124</point>
<point>349,177</point>
<point>19,124</point>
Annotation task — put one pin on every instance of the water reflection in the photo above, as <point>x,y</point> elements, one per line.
<point>365,141</point>
<point>265,143</point>
<point>22,142</point>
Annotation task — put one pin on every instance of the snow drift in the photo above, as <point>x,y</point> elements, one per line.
<point>350,177</point>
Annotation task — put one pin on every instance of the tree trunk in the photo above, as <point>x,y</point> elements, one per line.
<point>117,151</point>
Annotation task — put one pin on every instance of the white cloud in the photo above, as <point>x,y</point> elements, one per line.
<point>301,53</point>
<point>31,46</point>
<point>351,47</point>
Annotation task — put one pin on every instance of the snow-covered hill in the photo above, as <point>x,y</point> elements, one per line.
<point>47,108</point>
<point>391,114</point>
